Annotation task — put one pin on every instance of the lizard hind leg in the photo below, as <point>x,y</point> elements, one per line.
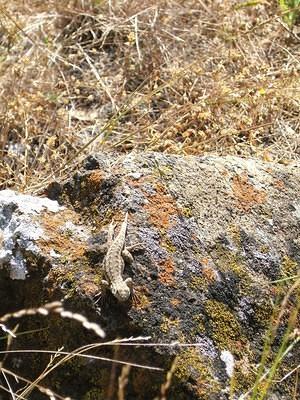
<point>127,256</point>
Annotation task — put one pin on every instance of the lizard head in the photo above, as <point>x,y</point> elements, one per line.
<point>121,291</point>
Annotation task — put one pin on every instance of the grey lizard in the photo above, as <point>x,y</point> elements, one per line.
<point>114,262</point>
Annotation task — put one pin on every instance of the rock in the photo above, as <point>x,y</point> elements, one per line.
<point>215,233</point>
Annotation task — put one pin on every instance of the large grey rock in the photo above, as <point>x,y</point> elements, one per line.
<point>215,235</point>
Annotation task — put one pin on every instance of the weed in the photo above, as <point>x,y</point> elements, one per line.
<point>291,11</point>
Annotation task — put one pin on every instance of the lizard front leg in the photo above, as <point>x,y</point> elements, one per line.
<point>126,253</point>
<point>129,283</point>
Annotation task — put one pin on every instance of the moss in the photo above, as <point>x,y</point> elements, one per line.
<point>199,324</point>
<point>235,234</point>
<point>192,367</point>
<point>289,267</point>
<point>225,329</point>
<point>187,212</point>
<point>94,394</point>
<point>228,261</point>
<point>263,312</point>
<point>244,376</point>
<point>168,245</point>
<point>199,282</point>
<point>168,324</point>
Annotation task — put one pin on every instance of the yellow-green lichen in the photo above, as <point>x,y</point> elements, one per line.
<point>199,324</point>
<point>228,261</point>
<point>235,234</point>
<point>289,267</point>
<point>263,311</point>
<point>163,171</point>
<point>191,366</point>
<point>225,329</point>
<point>97,280</point>
<point>264,249</point>
<point>187,212</point>
<point>243,377</point>
<point>94,394</point>
<point>167,324</point>
<point>168,245</point>
<point>199,283</point>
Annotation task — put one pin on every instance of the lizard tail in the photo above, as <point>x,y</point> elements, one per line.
<point>125,218</point>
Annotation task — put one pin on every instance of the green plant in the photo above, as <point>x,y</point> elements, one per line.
<point>291,11</point>
<point>271,362</point>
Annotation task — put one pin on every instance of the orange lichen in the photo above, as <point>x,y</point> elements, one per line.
<point>175,302</point>
<point>279,184</point>
<point>204,261</point>
<point>209,274</point>
<point>94,180</point>
<point>160,207</point>
<point>57,239</point>
<point>138,182</point>
<point>166,273</point>
<point>246,194</point>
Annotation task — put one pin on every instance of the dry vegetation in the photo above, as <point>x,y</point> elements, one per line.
<point>187,77</point>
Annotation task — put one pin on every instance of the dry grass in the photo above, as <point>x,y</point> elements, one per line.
<point>57,358</point>
<point>187,77</point>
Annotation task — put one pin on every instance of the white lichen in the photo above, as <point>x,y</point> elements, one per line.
<point>19,231</point>
<point>228,359</point>
<point>26,203</point>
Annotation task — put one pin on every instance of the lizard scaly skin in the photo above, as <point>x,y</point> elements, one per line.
<point>114,263</point>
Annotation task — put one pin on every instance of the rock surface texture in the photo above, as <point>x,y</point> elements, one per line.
<point>214,234</point>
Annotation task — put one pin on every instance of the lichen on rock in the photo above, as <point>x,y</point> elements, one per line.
<point>215,233</point>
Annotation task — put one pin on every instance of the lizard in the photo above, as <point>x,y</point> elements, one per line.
<point>114,262</point>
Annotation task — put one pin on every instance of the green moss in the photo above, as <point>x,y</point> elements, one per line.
<point>168,324</point>
<point>244,376</point>
<point>263,312</point>
<point>225,329</point>
<point>192,367</point>
<point>94,394</point>
<point>199,282</point>
<point>187,212</point>
<point>199,324</point>
<point>289,267</point>
<point>228,261</point>
<point>168,245</point>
